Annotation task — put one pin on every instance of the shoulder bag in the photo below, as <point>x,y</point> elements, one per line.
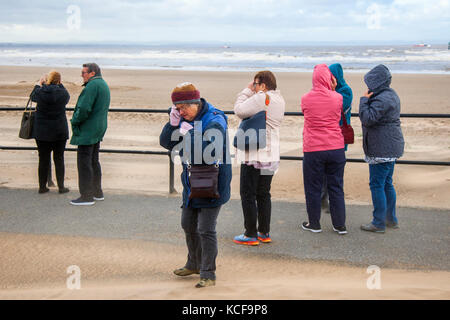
<point>26,126</point>
<point>204,181</point>
<point>249,131</point>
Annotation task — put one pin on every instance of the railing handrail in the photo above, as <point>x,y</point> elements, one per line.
<point>291,113</point>
<point>167,153</point>
<point>294,158</point>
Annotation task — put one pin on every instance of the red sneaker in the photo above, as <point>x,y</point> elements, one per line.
<point>265,238</point>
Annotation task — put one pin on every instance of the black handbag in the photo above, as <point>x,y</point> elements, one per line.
<point>204,181</point>
<point>26,126</point>
<point>248,133</point>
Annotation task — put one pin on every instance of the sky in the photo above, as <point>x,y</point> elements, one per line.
<point>224,21</point>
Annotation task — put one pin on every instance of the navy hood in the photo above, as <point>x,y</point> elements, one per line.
<point>378,78</point>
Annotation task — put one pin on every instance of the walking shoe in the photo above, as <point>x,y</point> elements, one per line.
<point>243,239</point>
<point>306,226</point>
<point>82,202</point>
<point>205,283</point>
<point>392,225</point>
<point>45,190</point>
<point>371,228</point>
<point>340,230</point>
<point>265,238</point>
<point>99,197</point>
<point>183,272</point>
<point>63,190</point>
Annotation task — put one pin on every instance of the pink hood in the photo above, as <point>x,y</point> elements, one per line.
<point>322,110</point>
<point>321,77</point>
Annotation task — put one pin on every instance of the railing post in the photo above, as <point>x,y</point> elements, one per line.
<point>171,176</point>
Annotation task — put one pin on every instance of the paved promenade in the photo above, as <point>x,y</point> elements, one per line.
<point>422,242</point>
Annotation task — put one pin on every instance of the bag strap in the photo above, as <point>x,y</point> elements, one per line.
<point>344,119</point>
<point>30,104</point>
<point>267,101</point>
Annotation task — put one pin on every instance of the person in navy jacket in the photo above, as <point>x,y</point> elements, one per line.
<point>198,131</point>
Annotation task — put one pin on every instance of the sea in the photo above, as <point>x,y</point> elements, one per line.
<point>434,59</point>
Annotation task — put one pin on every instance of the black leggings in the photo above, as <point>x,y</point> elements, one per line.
<point>45,148</point>
<point>256,200</point>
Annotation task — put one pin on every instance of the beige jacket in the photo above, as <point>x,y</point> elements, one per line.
<point>249,103</point>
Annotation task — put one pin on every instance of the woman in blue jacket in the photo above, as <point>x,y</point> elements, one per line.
<point>201,131</point>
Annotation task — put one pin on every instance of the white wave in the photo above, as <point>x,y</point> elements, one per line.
<point>380,50</point>
<point>232,56</point>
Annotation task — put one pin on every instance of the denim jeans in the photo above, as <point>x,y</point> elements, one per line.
<point>199,225</point>
<point>383,193</point>
<point>89,171</point>
<point>256,200</point>
<point>316,166</point>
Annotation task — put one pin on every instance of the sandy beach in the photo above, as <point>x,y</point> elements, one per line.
<point>417,186</point>
<point>131,269</point>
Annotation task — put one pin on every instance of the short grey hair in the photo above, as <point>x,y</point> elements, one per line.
<point>93,67</point>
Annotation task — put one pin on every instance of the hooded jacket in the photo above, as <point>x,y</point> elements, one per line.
<point>343,88</point>
<point>380,116</point>
<point>90,117</point>
<point>212,119</point>
<point>322,109</point>
<point>50,122</point>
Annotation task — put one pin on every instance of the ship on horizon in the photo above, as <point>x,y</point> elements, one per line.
<point>422,45</point>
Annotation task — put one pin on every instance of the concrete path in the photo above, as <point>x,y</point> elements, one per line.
<point>422,242</point>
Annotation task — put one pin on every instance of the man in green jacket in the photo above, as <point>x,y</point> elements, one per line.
<point>89,123</point>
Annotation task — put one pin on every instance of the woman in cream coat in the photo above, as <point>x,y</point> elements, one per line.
<point>259,166</point>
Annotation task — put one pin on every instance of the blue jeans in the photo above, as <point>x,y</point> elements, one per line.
<point>383,193</point>
<point>199,225</point>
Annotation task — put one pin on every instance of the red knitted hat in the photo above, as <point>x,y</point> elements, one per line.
<point>185,93</point>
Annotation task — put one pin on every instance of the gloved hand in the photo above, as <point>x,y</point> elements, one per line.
<point>175,117</point>
<point>185,127</point>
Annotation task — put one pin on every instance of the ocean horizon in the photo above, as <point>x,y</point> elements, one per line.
<point>405,58</point>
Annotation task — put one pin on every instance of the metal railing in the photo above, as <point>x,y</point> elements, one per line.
<point>292,158</point>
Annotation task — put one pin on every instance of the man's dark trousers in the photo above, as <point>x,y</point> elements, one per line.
<point>89,171</point>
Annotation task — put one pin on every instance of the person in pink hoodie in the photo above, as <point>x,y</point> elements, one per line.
<point>323,147</point>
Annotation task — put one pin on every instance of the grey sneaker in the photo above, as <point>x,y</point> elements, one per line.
<point>183,272</point>
<point>205,283</point>
<point>392,225</point>
<point>99,196</point>
<point>82,202</point>
<point>371,228</point>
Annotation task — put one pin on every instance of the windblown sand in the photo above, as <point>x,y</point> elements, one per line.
<point>121,277</point>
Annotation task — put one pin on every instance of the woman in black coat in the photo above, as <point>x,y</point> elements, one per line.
<point>50,127</point>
